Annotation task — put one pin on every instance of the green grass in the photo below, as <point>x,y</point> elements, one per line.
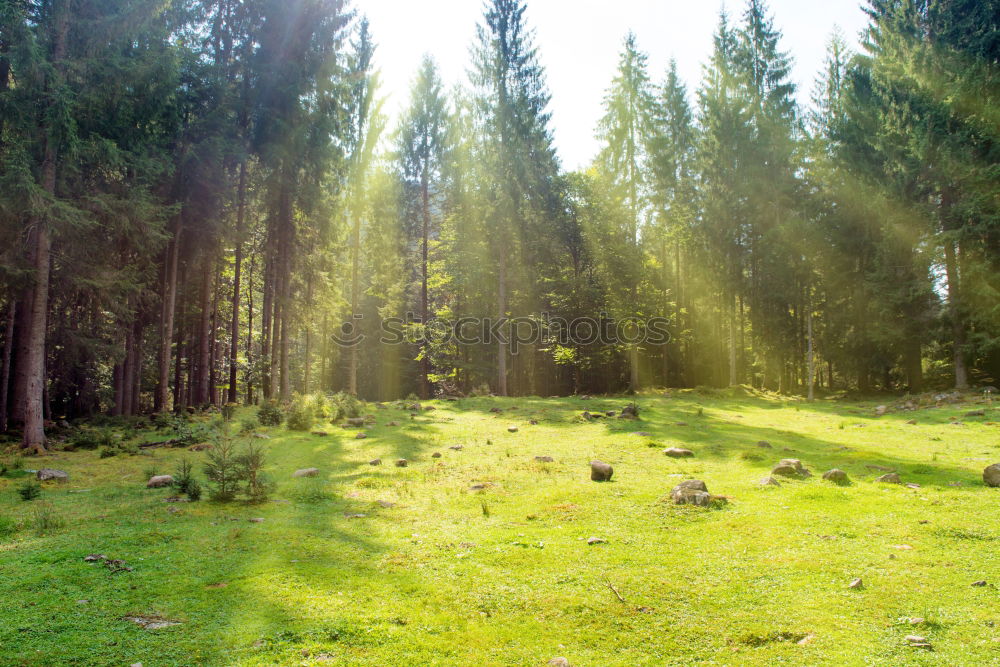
<point>447,575</point>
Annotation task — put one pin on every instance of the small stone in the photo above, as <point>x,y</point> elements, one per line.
<point>355,421</point>
<point>769,481</point>
<point>200,447</point>
<point>991,476</point>
<point>836,476</point>
<point>856,583</point>
<point>360,435</point>
<point>533,422</point>
<point>393,423</point>
<point>436,455</point>
<point>375,462</point>
<point>402,463</point>
<point>916,620</point>
<point>881,410</point>
<point>691,492</point>
<point>912,485</point>
<point>306,472</point>
<point>981,582</point>
<point>560,662</point>
<point>457,448</point>
<point>357,515</point>
<point>911,422</point>
<point>785,471</point>
<point>512,429</point>
<point>477,487</point>
<point>678,453</point>
<point>261,436</point>
<point>805,641</point>
<point>764,444</point>
<point>594,540</point>
<point>611,413</point>
<point>890,478</point>
<point>544,459</point>
<point>385,503</point>
<point>46,474</point>
<point>92,558</point>
<point>321,434</point>
<point>600,472</point>
<point>159,481</point>
<point>257,519</point>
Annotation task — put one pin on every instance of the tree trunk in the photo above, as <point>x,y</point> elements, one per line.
<point>168,309</point>
<point>234,327</point>
<point>957,320</point>
<point>200,397</point>
<point>213,380</point>
<point>502,315</point>
<point>425,366</point>
<point>352,371</point>
<point>810,360</point>
<point>8,346</point>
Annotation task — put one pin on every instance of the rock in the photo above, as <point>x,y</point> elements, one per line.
<point>496,410</point>
<point>46,474</point>
<point>976,413</point>
<point>594,540</point>
<point>630,410</point>
<point>837,476</point>
<point>856,583</point>
<point>600,472</point>
<point>610,413</point>
<point>321,434</point>
<point>533,422</point>
<point>261,436</point>
<point>200,447</point>
<point>890,478</point>
<point>385,503</point>
<point>159,481</point>
<point>457,448</point>
<point>917,641</point>
<point>393,424</point>
<point>912,485</point>
<point>306,472</point>
<point>545,459</point>
<point>790,468</point>
<point>512,429</point>
<point>916,620</point>
<point>764,444</point>
<point>361,436</point>
<point>559,662</point>
<point>981,582</point>
<point>375,462</point>
<point>93,558</point>
<point>257,519</point>
<point>881,410</point>
<point>151,622</point>
<point>769,481</point>
<point>991,476</point>
<point>911,422</point>
<point>477,487</point>
<point>436,455</point>
<point>355,421</point>
<point>691,492</point>
<point>402,463</point>
<point>678,453</point>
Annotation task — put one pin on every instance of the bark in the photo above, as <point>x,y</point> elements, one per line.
<point>502,316</point>
<point>201,395</point>
<point>8,346</point>
<point>810,360</point>
<point>425,366</point>
<point>234,327</point>
<point>267,316</point>
<point>168,309</point>
<point>955,311</point>
<point>250,398</point>
<point>213,380</point>
<point>352,371</point>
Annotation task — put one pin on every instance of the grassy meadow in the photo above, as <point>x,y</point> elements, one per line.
<point>481,556</point>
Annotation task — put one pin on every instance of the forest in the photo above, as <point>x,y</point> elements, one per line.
<point>202,200</point>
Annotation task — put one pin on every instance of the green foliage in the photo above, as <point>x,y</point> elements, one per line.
<point>45,519</point>
<point>257,486</point>
<point>229,410</point>
<point>248,424</point>
<point>231,472</point>
<point>184,478</point>
<point>300,415</point>
<point>8,527</point>
<point>29,490</point>
<point>222,470</point>
<point>345,406</point>
<point>270,413</point>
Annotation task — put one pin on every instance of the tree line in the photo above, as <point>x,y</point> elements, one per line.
<point>199,200</point>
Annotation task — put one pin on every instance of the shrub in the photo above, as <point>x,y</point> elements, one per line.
<point>269,414</point>
<point>248,424</point>
<point>108,452</point>
<point>222,471</point>
<point>344,406</point>
<point>30,490</point>
<point>92,439</point>
<point>229,410</point>
<point>320,406</point>
<point>194,490</point>
<point>257,485</point>
<point>184,476</point>
<point>300,416</point>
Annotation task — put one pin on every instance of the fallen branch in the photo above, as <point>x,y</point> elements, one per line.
<point>614,590</point>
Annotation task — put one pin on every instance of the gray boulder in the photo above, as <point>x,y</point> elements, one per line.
<point>46,474</point>
<point>678,453</point>
<point>991,476</point>
<point>790,468</point>
<point>306,472</point>
<point>691,492</point>
<point>159,481</point>
<point>890,478</point>
<point>836,476</point>
<point>600,471</point>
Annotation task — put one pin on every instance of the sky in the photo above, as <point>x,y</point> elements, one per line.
<point>579,42</point>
